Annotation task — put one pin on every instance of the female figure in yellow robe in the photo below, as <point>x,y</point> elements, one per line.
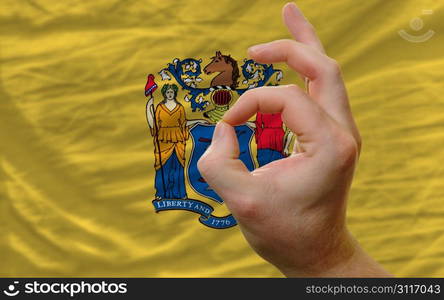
<point>169,127</point>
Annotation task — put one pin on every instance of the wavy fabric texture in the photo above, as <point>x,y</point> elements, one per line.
<point>77,159</point>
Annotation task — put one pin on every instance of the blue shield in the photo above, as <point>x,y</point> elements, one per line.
<point>202,135</point>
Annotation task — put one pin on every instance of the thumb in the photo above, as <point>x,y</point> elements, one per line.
<point>221,167</point>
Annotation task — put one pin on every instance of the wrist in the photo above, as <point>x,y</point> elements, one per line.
<point>346,259</point>
<point>359,264</point>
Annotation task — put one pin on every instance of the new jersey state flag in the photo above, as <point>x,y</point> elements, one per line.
<point>106,107</point>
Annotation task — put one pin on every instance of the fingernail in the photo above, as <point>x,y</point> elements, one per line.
<point>257,48</point>
<point>219,131</point>
<point>295,10</point>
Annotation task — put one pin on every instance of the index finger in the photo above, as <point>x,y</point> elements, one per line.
<point>300,114</point>
<point>326,85</point>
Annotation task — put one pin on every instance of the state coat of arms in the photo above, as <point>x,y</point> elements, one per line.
<point>172,128</point>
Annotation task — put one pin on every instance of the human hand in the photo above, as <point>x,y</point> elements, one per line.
<point>292,211</point>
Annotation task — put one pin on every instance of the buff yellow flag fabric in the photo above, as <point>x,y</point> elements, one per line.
<point>78,178</point>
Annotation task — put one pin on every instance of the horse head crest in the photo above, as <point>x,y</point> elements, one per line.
<point>227,69</point>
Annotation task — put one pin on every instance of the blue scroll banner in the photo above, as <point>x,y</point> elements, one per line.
<point>198,207</point>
